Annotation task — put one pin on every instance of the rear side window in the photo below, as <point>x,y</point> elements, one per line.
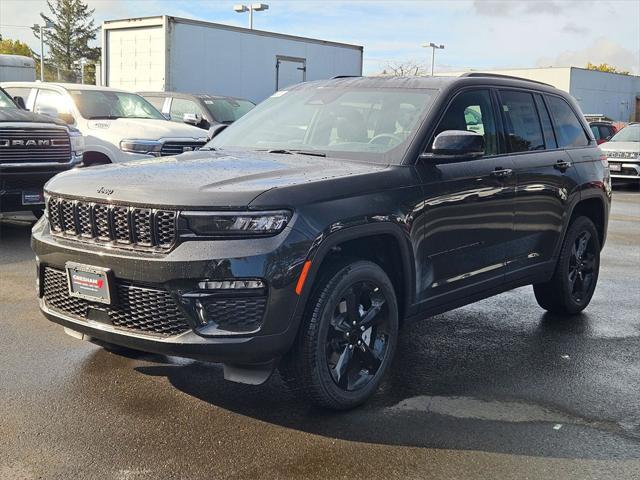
<point>521,121</point>
<point>568,128</point>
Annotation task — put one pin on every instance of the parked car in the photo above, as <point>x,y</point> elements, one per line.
<point>602,131</point>
<point>623,153</point>
<point>202,111</point>
<point>118,126</point>
<point>33,148</point>
<point>308,232</point>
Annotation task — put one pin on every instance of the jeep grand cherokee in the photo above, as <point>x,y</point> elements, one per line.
<point>307,233</point>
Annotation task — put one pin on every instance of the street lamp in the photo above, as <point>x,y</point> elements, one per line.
<point>47,24</point>
<point>253,7</point>
<point>434,47</point>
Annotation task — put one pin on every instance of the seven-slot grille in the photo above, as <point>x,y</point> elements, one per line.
<point>112,224</point>
<point>138,308</point>
<point>176,148</point>
<point>36,145</point>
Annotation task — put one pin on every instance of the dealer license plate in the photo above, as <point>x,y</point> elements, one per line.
<point>88,282</point>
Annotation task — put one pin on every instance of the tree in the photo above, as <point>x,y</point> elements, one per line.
<point>68,39</point>
<point>15,47</point>
<point>604,67</point>
<point>408,68</point>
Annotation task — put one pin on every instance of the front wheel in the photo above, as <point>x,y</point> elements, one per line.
<point>347,338</point>
<point>570,289</point>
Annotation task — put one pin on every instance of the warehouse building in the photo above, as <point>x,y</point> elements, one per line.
<point>610,95</point>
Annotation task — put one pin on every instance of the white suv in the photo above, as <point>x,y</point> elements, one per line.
<point>117,125</point>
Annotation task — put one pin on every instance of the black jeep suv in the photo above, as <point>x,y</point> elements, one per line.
<point>310,230</point>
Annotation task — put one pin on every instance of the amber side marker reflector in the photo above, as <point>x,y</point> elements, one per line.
<point>303,277</point>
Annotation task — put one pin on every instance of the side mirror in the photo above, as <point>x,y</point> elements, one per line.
<point>455,145</point>
<point>192,119</point>
<point>20,102</point>
<point>216,129</point>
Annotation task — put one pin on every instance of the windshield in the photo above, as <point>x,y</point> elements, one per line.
<point>227,110</point>
<point>5,100</point>
<point>630,133</point>
<point>97,104</point>
<point>370,124</point>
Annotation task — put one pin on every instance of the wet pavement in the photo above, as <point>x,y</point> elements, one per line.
<point>495,390</point>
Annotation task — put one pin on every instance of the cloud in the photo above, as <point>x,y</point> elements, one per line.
<point>574,28</point>
<point>601,50</point>
<point>503,8</point>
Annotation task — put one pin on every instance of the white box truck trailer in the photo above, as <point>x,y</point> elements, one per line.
<point>191,56</point>
<point>17,68</point>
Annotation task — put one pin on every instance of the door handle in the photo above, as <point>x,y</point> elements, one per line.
<point>562,165</point>
<point>500,172</point>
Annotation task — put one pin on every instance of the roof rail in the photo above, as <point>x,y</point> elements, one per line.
<point>498,75</point>
<point>345,76</point>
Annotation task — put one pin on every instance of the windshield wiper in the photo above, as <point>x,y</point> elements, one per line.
<point>299,152</point>
<point>104,117</point>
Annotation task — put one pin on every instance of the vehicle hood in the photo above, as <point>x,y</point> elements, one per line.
<point>620,147</point>
<point>18,115</point>
<point>146,129</point>
<point>207,179</point>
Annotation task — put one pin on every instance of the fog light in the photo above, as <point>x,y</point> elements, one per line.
<point>248,284</point>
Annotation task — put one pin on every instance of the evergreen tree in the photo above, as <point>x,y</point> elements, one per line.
<point>68,40</point>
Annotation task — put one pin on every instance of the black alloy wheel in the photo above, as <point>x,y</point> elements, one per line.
<point>574,281</point>
<point>358,336</point>
<point>347,337</point>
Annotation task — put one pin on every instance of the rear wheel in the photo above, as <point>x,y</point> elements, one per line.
<point>570,289</point>
<point>347,338</point>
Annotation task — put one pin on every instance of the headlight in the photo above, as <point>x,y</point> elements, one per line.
<point>144,147</point>
<point>236,224</point>
<point>77,141</point>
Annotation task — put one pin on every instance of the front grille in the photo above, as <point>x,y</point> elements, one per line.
<point>137,308</point>
<point>37,145</point>
<point>115,225</point>
<point>237,314</point>
<point>623,155</point>
<point>176,148</point>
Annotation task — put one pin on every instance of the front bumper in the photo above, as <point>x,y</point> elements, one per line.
<point>19,179</point>
<point>277,260</point>
<point>625,170</point>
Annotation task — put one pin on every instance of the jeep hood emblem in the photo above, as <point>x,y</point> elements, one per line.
<point>105,190</point>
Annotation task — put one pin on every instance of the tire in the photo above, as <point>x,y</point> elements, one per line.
<point>576,275</point>
<point>333,363</point>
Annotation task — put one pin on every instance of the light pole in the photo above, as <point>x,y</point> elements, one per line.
<point>433,47</point>
<point>253,7</point>
<point>47,25</point>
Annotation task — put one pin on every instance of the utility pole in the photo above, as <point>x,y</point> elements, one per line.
<point>433,47</point>
<point>42,28</point>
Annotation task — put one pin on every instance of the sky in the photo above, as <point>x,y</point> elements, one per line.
<point>477,34</point>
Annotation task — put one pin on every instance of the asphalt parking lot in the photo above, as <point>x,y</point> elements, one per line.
<point>495,390</point>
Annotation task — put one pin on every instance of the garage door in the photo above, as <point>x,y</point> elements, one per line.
<point>136,58</point>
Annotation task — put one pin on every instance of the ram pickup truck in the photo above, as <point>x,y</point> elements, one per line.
<point>33,148</point>
<point>117,125</point>
<point>309,231</point>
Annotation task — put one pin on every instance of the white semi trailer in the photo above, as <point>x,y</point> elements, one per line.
<point>176,54</point>
<point>17,68</point>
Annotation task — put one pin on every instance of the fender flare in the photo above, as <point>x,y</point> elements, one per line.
<point>320,250</point>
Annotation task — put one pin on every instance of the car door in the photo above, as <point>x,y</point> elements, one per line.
<point>467,211</point>
<point>545,181</point>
